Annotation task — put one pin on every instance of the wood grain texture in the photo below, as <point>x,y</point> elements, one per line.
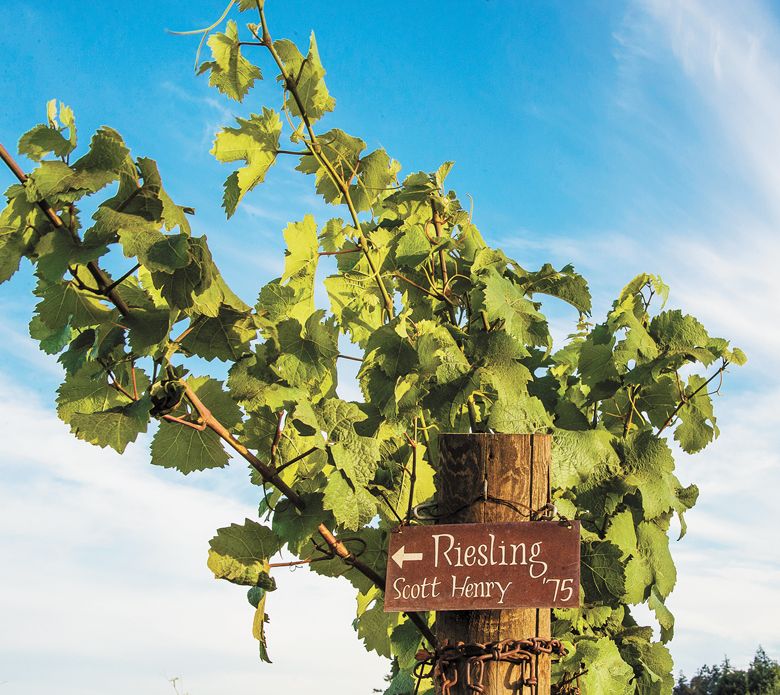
<point>515,467</point>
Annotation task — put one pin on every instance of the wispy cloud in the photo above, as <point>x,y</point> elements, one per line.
<point>729,53</point>
<point>722,268</point>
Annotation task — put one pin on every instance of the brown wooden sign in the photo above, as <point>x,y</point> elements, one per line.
<point>530,564</point>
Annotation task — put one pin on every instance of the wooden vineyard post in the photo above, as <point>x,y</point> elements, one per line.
<point>515,468</point>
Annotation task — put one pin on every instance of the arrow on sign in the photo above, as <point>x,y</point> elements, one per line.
<point>400,556</point>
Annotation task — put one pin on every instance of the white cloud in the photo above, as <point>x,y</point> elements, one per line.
<point>105,588</point>
<point>727,599</point>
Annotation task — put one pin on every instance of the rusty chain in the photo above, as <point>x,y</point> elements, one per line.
<point>443,665</point>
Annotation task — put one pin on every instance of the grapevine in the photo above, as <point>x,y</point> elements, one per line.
<point>449,333</point>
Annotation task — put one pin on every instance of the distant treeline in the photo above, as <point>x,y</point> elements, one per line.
<point>761,678</point>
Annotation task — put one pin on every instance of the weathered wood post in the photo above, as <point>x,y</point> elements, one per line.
<point>512,467</point>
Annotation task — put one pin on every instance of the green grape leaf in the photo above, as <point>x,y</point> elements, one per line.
<point>13,247</point>
<point>505,301</point>
<point>115,427</point>
<point>57,251</point>
<point>648,466</point>
<point>50,340</point>
<point>656,678</point>
<point>231,73</point>
<point>225,337</point>
<point>102,164</point>
<point>156,251</point>
<point>622,533</point>
<point>654,548</point>
<point>596,364</point>
<point>356,303</point>
<point>603,572</point>
<point>696,428</point>
<point>582,459</point>
<point>107,153</point>
<point>356,457</point>
<point>147,329</point>
<point>55,178</point>
<point>338,418</point>
<point>658,400</point>
<point>257,596</point>
<point>240,553</point>
<point>87,391</point>
<point>277,302</point>
<point>334,235</point>
<point>645,281</point>
<point>343,153</point>
<point>48,139</point>
<point>307,76</point>
<point>605,670</point>
<point>172,215</point>
<point>638,345</point>
<point>68,120</point>
<point>252,383</point>
<point>136,225</point>
<point>584,620</point>
<point>300,256</point>
<point>352,507</point>
<point>255,141</point>
<point>521,413</point>
<point>292,295</point>
<point>405,640</point>
<point>678,332</point>
<point>736,356</point>
<point>308,354</point>
<point>438,354</point>
<point>296,527</point>
<point>74,358</point>
<point>376,173</point>
<point>93,344</point>
<point>663,615</point>
<point>258,629</point>
<point>413,247</point>
<point>43,140</point>
<point>564,284</point>
<point>187,449</point>
<point>686,499</point>
<point>373,627</point>
<point>196,287</point>
<point>639,579</point>
<point>404,683</point>
<point>63,303</point>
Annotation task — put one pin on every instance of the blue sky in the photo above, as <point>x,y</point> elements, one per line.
<point>622,137</point>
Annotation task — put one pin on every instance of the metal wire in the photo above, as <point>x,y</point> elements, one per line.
<point>547,512</point>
